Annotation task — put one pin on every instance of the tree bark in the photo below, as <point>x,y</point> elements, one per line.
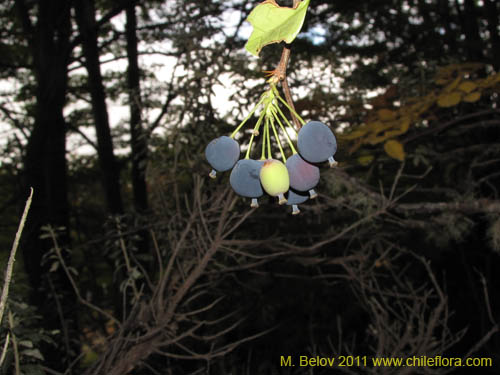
<point>474,43</point>
<point>446,18</point>
<point>45,167</point>
<point>137,136</point>
<point>85,17</point>
<point>492,15</point>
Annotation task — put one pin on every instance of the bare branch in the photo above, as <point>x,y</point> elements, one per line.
<point>12,257</point>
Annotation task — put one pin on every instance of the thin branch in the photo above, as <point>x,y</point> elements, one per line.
<point>396,180</point>
<point>447,124</point>
<point>15,122</point>
<point>487,299</point>
<point>77,130</point>
<point>483,341</point>
<point>12,257</point>
<point>82,300</point>
<point>5,347</point>
<point>61,316</point>
<point>14,344</point>
<point>164,109</point>
<point>123,248</point>
<point>284,82</point>
<point>279,75</point>
<point>288,98</point>
<point>104,19</point>
<point>484,206</point>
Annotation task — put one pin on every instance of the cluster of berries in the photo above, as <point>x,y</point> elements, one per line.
<point>293,180</point>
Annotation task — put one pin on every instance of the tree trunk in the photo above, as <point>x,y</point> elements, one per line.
<point>446,18</point>
<point>138,140</point>
<point>45,166</point>
<point>474,42</point>
<point>137,135</point>
<point>85,17</point>
<point>491,7</point>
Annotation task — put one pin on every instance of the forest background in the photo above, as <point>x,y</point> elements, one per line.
<point>133,261</point>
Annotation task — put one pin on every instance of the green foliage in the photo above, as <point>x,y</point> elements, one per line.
<point>30,337</point>
<point>273,24</point>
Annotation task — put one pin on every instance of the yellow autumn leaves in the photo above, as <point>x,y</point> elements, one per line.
<point>452,85</point>
<point>458,91</point>
<point>385,126</point>
<point>465,90</point>
<point>394,149</point>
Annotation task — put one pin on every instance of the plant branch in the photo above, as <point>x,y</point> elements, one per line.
<point>12,257</point>
<point>5,347</point>
<point>14,344</point>
<point>470,207</point>
<point>82,300</point>
<point>279,75</point>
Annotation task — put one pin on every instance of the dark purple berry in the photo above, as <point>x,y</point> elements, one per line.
<point>304,176</point>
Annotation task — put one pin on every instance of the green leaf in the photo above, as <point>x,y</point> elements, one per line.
<point>54,267</point>
<point>33,353</point>
<point>365,160</point>
<point>273,24</point>
<point>26,343</point>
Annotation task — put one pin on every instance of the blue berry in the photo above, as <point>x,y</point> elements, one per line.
<point>316,143</point>
<point>245,179</point>
<point>295,198</point>
<point>222,153</point>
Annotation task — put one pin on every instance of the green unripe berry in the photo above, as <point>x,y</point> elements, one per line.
<point>274,179</point>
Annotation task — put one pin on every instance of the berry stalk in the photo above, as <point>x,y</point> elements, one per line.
<point>278,140</point>
<point>289,140</point>
<point>288,106</point>
<point>254,133</point>
<point>248,116</point>
<point>269,155</point>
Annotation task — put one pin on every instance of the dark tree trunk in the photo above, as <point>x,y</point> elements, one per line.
<point>85,17</point>
<point>45,166</point>
<point>446,18</point>
<point>473,38</point>
<point>138,137</point>
<point>492,15</point>
<point>138,140</point>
